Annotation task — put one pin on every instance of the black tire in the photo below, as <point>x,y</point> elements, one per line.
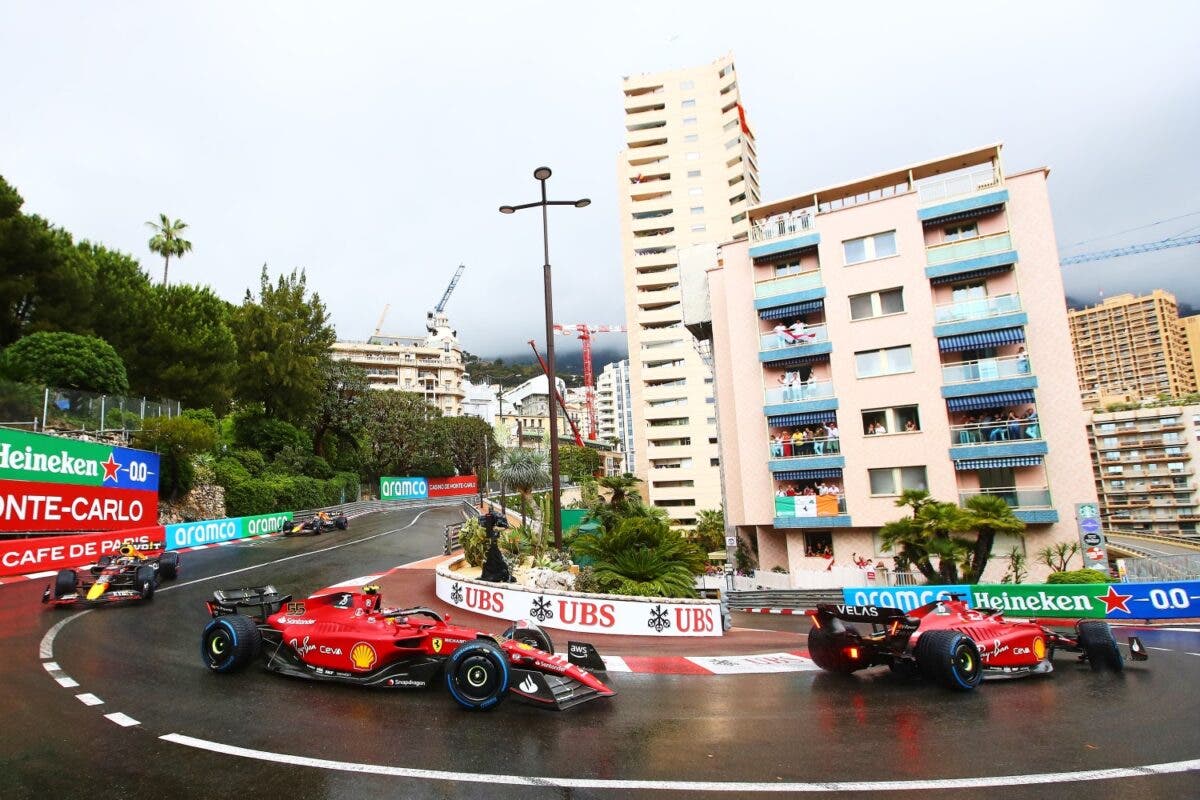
<point>65,582</point>
<point>230,642</point>
<point>1096,639</point>
<point>534,637</point>
<point>341,523</point>
<point>144,580</point>
<point>477,675</point>
<point>827,649</point>
<point>949,658</point>
<point>168,566</point>
<point>904,669</point>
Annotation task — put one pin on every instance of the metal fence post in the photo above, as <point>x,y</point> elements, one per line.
<point>45,407</point>
<point>103,398</point>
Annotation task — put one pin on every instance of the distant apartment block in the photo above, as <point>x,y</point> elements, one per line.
<point>1131,348</point>
<point>614,408</point>
<point>1145,464</point>
<point>901,331</point>
<point>687,175</point>
<point>429,365</point>
<point>1191,335</point>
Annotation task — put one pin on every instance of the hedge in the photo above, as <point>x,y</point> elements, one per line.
<point>1078,576</point>
<point>248,496</point>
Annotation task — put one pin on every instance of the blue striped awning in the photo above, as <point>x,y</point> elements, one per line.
<point>997,463</point>
<point>807,418</point>
<point>978,402</point>
<point>959,277</point>
<point>975,341</point>
<point>800,361</point>
<point>807,474</point>
<point>792,309</point>
<point>968,214</point>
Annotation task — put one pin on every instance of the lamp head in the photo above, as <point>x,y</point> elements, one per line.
<point>542,173</point>
<point>507,210</point>
<point>584,203</point>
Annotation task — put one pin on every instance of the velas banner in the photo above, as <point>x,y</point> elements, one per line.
<point>52,459</point>
<point>418,488</point>
<point>47,553</point>
<point>27,507</point>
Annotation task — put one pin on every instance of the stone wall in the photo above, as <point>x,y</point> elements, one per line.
<point>204,501</point>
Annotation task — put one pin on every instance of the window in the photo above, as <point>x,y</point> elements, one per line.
<point>697,210</point>
<point>894,480</point>
<point>693,173</point>
<point>689,103</point>
<point>698,229</point>
<point>714,462</point>
<point>689,120</point>
<point>876,304</point>
<point>967,230</point>
<point>692,137</point>
<point>817,544</point>
<point>738,218</point>
<point>790,268</point>
<point>687,85</point>
<point>695,191</point>
<point>869,248</point>
<point>692,156</point>
<point>898,419</point>
<point>888,361</point>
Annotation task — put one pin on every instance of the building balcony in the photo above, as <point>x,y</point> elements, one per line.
<point>969,255</point>
<point>812,396</point>
<point>811,511</point>
<point>805,455</point>
<point>672,313</point>
<point>788,289</point>
<point>987,376</point>
<point>1000,439</point>
<point>782,234</point>
<point>1031,505</point>
<point>964,192</point>
<point>785,346</point>
<point>657,296</point>
<point>978,315</point>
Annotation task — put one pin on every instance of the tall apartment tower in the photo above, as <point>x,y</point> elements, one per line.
<point>687,176</point>
<point>1191,335</point>
<point>613,408</point>
<point>1130,348</point>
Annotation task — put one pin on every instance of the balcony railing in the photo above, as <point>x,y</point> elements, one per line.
<point>801,392</point>
<point>935,191</point>
<point>812,334</point>
<point>801,282</point>
<point>1015,497</point>
<point>805,448</point>
<point>979,308</point>
<point>1002,430</point>
<point>782,227</point>
<point>968,248</point>
<point>985,369</point>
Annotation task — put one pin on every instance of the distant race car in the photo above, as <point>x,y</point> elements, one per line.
<point>953,644</point>
<point>129,575</point>
<point>350,637</point>
<point>319,523</point>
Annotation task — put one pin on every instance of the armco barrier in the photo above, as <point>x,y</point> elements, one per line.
<point>1111,601</point>
<point>586,613</point>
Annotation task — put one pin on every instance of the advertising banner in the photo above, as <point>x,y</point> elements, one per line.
<point>49,553</point>
<point>905,598</point>
<point>403,488</point>
<point>582,613</point>
<point>31,507</point>
<point>37,457</point>
<point>215,531</point>
<point>453,487</point>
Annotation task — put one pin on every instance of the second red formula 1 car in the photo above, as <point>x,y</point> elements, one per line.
<point>129,575</point>
<point>953,644</point>
<point>350,637</point>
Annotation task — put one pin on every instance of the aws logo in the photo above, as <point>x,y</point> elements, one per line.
<point>363,656</point>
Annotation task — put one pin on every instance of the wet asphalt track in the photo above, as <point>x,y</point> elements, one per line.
<point>761,730</point>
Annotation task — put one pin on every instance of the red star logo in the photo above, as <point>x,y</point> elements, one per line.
<point>1114,602</point>
<point>111,468</point>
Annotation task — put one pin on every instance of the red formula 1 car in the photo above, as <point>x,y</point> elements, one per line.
<point>953,644</point>
<point>129,575</point>
<point>351,638</point>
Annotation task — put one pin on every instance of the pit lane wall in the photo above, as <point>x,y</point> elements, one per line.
<point>584,613</point>
<point>1109,601</point>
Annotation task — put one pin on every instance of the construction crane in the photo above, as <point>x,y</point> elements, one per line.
<point>441,306</point>
<point>437,318</point>
<point>584,333</point>
<point>1133,249</point>
<point>382,317</point>
<point>555,393</point>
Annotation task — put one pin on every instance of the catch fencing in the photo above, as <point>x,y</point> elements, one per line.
<point>52,409</point>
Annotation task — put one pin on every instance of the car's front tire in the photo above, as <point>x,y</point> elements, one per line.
<point>949,658</point>
<point>144,580</point>
<point>1096,639</point>
<point>230,642</point>
<point>477,675</point>
<point>64,582</point>
<point>168,566</point>
<point>341,523</point>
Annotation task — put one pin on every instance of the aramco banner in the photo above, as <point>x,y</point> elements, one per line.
<point>48,483</point>
<point>216,531</point>
<point>423,488</point>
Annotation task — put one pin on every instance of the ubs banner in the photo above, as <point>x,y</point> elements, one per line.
<point>48,483</point>
<point>424,488</point>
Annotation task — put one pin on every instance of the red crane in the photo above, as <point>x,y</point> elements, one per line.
<point>554,389</point>
<point>584,333</point>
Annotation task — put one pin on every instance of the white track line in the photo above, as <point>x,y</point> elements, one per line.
<point>123,720</point>
<point>67,683</point>
<point>89,699</point>
<point>46,648</point>
<point>689,786</point>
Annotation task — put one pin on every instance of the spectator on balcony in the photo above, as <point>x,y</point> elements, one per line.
<point>910,426</point>
<point>831,434</point>
<point>800,333</point>
<point>1022,361</point>
<point>797,443</point>
<point>809,491</point>
<point>1014,425</point>
<point>1032,429</point>
<point>790,492</point>
<point>777,446</point>
<point>834,490</point>
<point>782,337</point>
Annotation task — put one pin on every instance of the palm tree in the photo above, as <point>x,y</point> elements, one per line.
<point>928,534</point>
<point>643,556</point>
<point>167,240</point>
<point>988,515</point>
<point>523,470</point>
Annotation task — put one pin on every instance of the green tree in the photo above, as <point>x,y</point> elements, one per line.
<point>928,534</point>
<point>1058,556</point>
<point>65,361</point>
<point>710,530</point>
<point>470,443</point>
<point>125,314</point>
<point>168,240</point>
<point>578,463</point>
<point>524,471</point>
<point>177,441</point>
<point>403,437</point>
<point>189,354</point>
<point>340,411</point>
<point>989,516</point>
<point>283,340</point>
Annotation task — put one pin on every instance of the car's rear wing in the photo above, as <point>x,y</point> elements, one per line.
<point>877,615</point>
<point>266,599</point>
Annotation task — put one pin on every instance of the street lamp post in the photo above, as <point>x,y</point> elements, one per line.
<point>542,174</point>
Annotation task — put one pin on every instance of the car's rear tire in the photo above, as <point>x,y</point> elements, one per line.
<point>949,658</point>
<point>477,675</point>
<point>230,642</point>
<point>827,649</point>
<point>64,582</point>
<point>1096,639</point>
<point>341,523</point>
<point>168,565</point>
<point>534,637</point>
<point>144,580</point>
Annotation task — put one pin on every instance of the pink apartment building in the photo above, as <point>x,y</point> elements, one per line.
<point>906,330</point>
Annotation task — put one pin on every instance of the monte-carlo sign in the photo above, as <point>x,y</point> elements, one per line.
<point>48,483</point>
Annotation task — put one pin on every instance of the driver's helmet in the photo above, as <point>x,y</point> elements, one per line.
<point>372,601</point>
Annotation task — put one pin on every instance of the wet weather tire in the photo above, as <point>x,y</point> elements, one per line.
<point>534,637</point>
<point>827,649</point>
<point>477,675</point>
<point>144,580</point>
<point>230,642</point>
<point>168,566</point>
<point>949,658</point>
<point>64,582</point>
<point>341,523</point>
<point>1096,639</point>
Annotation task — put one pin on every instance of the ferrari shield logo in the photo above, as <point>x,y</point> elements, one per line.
<point>437,645</point>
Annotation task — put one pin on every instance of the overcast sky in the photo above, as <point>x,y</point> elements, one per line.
<point>371,143</point>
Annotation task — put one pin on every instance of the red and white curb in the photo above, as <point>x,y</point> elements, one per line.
<point>770,610</point>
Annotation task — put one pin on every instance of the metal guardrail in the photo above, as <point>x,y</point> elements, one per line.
<point>1178,541</point>
<point>783,598</point>
<point>360,507</point>
<point>1162,568</point>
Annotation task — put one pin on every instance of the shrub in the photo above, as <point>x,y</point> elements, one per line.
<point>229,471</point>
<point>203,466</point>
<point>250,496</point>
<point>269,436</point>
<point>473,539</point>
<point>586,581</point>
<point>297,492</point>
<point>1078,576</point>
<point>176,441</point>
<point>251,460</point>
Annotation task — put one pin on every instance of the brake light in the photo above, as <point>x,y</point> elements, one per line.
<point>894,627</point>
<point>816,621</point>
<point>852,652</point>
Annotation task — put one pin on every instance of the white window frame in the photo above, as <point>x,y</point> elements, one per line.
<point>877,304</point>
<point>884,361</point>
<point>897,480</point>
<point>869,249</point>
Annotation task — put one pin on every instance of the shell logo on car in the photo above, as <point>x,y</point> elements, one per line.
<point>363,656</point>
